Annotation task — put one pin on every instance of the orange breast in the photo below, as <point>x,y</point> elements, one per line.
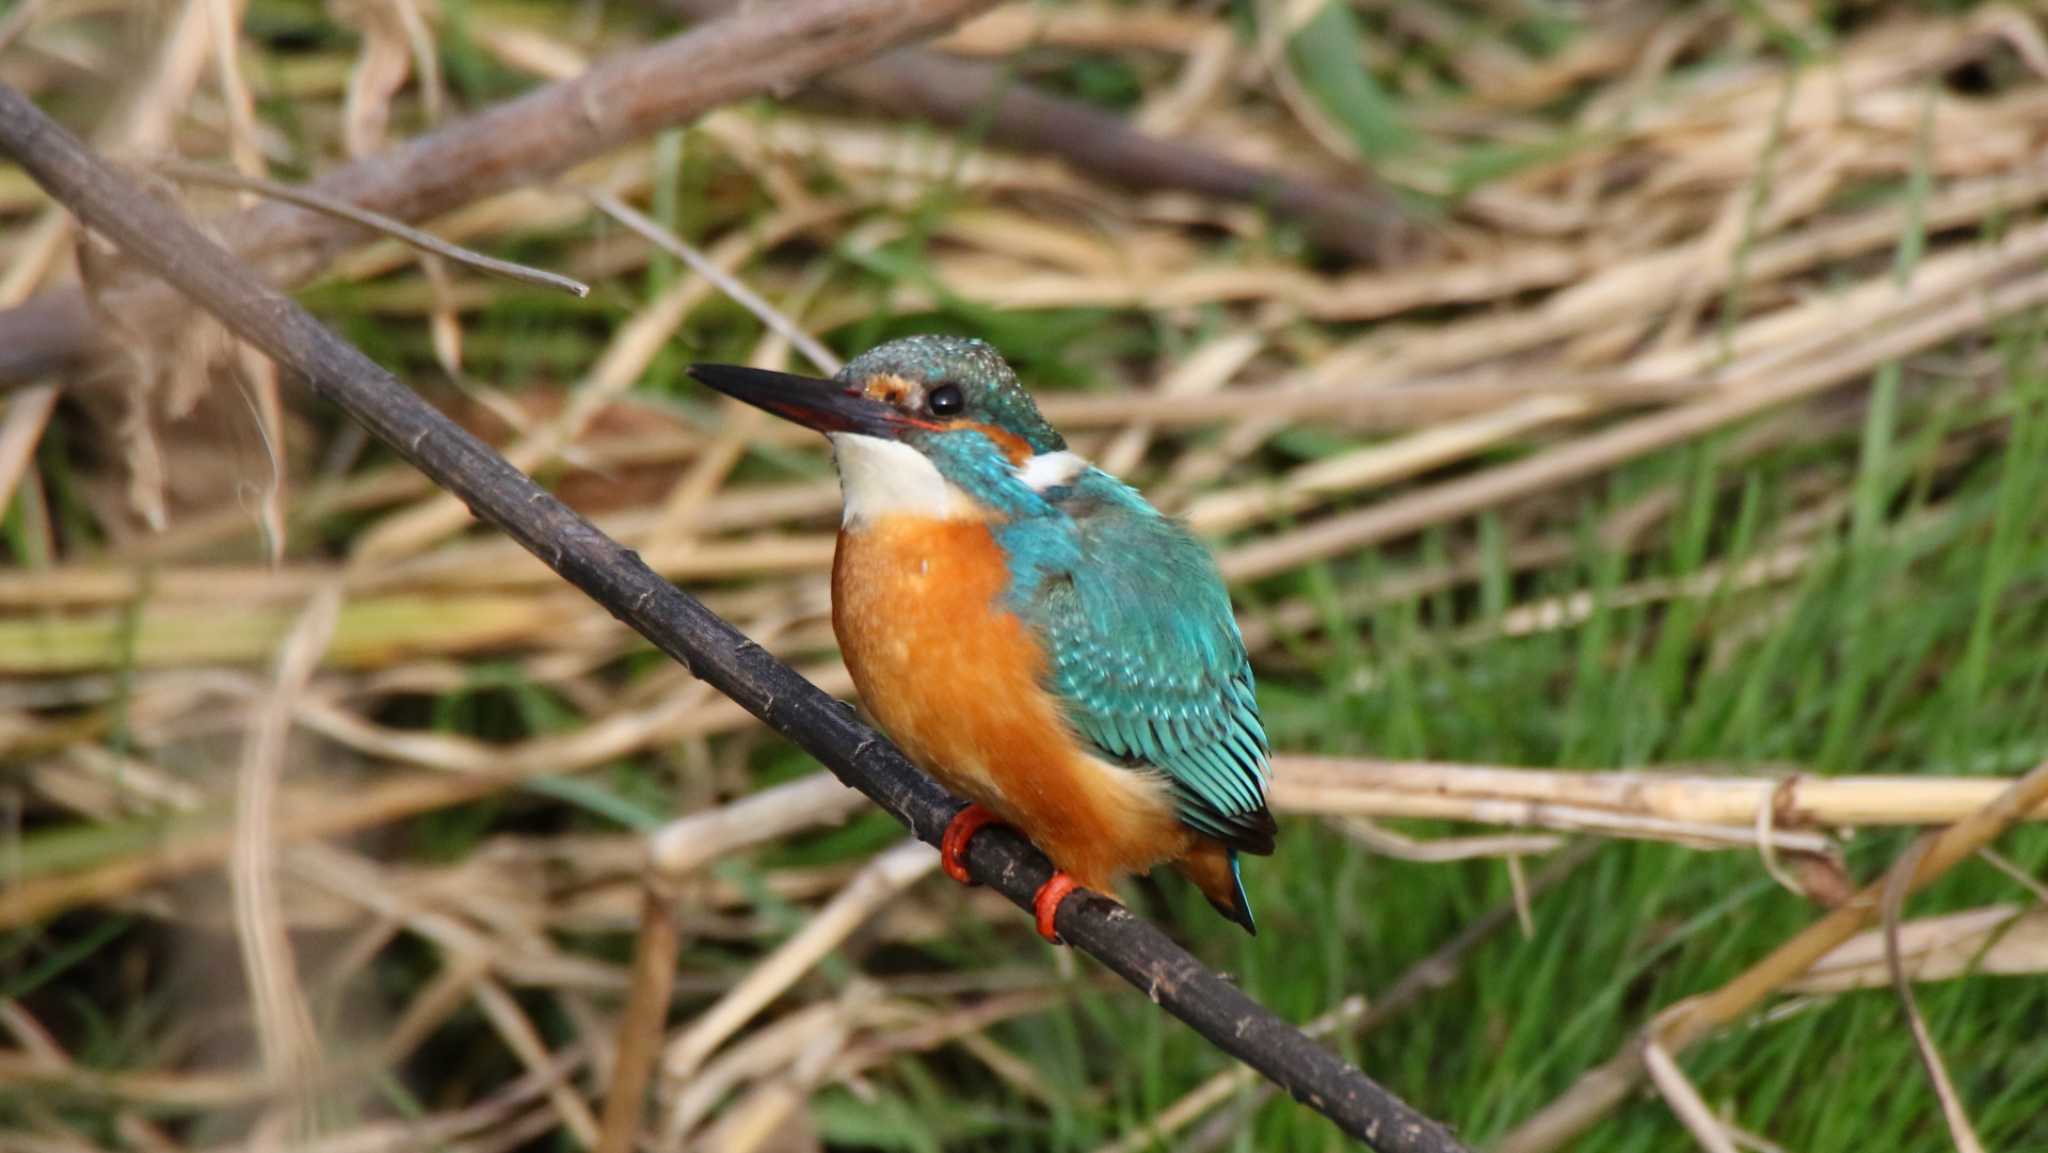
<point>957,680</point>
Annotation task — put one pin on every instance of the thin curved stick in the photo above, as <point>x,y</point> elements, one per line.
<point>1896,884</point>
<point>396,229</point>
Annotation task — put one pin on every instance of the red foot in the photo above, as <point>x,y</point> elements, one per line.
<point>1046,904</point>
<point>953,846</point>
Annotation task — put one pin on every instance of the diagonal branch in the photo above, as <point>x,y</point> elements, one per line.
<point>769,47</point>
<point>158,237</point>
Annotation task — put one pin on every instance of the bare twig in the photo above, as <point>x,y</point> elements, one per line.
<point>158,237</point>
<point>375,221</point>
<point>1892,902</point>
<point>731,285</point>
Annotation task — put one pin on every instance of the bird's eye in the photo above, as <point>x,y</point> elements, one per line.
<point>945,400</point>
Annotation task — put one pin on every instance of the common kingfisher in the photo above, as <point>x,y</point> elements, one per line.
<point>1028,628</point>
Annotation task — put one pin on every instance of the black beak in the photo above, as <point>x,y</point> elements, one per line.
<point>825,405</point>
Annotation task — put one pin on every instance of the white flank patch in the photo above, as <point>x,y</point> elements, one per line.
<point>883,478</point>
<point>1051,469</point>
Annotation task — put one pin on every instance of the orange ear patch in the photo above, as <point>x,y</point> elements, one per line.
<point>1015,447</point>
<point>908,395</point>
<point>892,390</point>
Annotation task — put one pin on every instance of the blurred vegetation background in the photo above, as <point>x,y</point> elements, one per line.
<point>1576,385</point>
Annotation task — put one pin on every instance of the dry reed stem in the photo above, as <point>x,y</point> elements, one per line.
<point>1685,1101</point>
<point>20,20</point>
<point>525,1041</point>
<point>759,1054</point>
<point>35,1041</point>
<point>1731,801</point>
<point>1442,850</point>
<point>1601,1089</point>
<point>159,1089</point>
<point>284,1019</point>
<point>1696,809</point>
<point>1891,904</point>
<point>642,1021</point>
<point>1205,372</point>
<point>1995,940</point>
<point>1380,465</point>
<point>1605,449</point>
<point>478,771</point>
<point>672,853</point>
<point>1355,1014</point>
<point>545,131</point>
<point>361,882</point>
<point>722,276</point>
<point>876,885</point>
<point>684,845</point>
<point>28,413</point>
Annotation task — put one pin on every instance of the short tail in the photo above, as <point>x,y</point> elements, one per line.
<point>1213,869</point>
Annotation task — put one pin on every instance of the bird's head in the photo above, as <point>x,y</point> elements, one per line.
<point>926,425</point>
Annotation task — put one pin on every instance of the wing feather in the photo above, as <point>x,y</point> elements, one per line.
<point>1146,655</point>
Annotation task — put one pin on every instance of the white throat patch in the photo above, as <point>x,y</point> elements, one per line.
<point>881,478</point>
<point>1051,469</point>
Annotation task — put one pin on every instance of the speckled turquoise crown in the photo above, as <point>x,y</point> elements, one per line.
<point>992,391</point>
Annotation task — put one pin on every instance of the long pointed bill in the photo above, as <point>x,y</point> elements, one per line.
<point>825,405</point>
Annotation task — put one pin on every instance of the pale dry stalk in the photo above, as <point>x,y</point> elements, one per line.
<point>643,1020</point>
<point>1731,801</point>
<point>1601,1089</point>
<point>284,1019</point>
<point>1204,372</point>
<point>21,429</point>
<point>1598,451</point>
<point>1994,940</point>
<point>687,844</point>
<point>1892,901</point>
<point>465,771</point>
<point>874,887</point>
<point>517,1031</point>
<point>1685,1100</point>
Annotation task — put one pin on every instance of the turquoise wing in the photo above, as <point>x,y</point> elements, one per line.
<point>1147,658</point>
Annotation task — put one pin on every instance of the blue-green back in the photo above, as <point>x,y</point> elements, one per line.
<point>1146,654</point>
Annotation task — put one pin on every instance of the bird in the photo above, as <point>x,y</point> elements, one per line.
<point>1029,629</point>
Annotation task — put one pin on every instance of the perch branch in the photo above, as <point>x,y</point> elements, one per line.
<point>769,47</point>
<point>158,237</point>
